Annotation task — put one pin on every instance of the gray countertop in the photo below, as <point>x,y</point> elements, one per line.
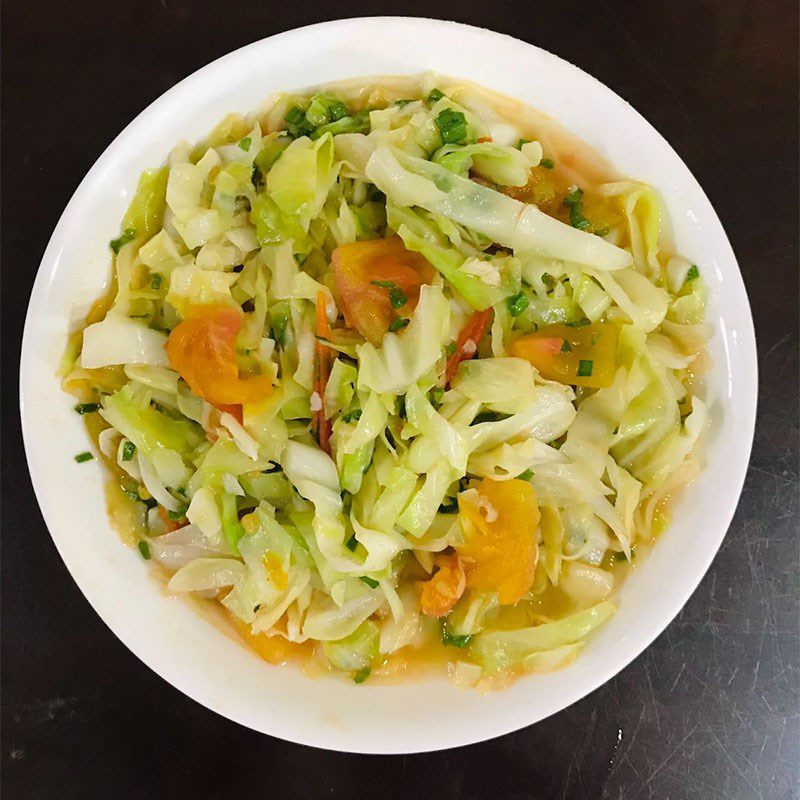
<point>710,710</point>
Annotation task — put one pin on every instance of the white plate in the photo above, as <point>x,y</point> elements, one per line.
<point>167,634</point>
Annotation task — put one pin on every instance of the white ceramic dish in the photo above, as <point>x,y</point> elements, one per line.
<point>168,635</point>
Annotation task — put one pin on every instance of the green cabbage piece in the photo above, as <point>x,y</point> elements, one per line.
<point>340,388</point>
<point>149,429</point>
<point>436,429</point>
<point>645,303</point>
<point>498,650</point>
<point>407,180</point>
<point>594,302</point>
<point>506,385</point>
<point>313,473</point>
<point>469,615</point>
<point>481,281</point>
<point>352,466</point>
<point>355,443</point>
<point>117,339</point>
<point>145,214</point>
<point>326,621</point>
<point>274,226</point>
<point>273,487</point>
<point>400,485</point>
<point>356,652</point>
<point>231,526</point>
<point>421,511</point>
<point>194,220</point>
<point>260,598</point>
<point>301,178</point>
<point>404,357</point>
<point>223,458</point>
<point>505,166</point>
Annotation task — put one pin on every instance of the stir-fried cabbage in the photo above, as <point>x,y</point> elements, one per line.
<point>378,372</point>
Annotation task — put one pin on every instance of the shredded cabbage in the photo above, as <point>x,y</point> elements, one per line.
<point>435,312</point>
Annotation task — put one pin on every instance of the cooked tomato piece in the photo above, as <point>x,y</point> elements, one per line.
<point>443,590</point>
<point>468,340</point>
<point>499,551</point>
<point>378,281</point>
<point>579,356</point>
<point>202,349</point>
<point>171,524</point>
<point>234,410</point>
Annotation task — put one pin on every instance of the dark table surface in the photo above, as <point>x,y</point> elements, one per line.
<point>709,711</point>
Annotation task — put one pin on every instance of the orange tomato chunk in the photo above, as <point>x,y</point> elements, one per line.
<point>468,340</point>
<point>444,589</point>
<point>202,349</point>
<point>499,551</point>
<point>585,356</point>
<point>367,272</point>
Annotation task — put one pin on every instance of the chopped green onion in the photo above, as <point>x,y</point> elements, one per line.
<point>547,163</point>
<point>602,231</point>
<point>574,201</point>
<point>245,143</point>
<point>371,582</point>
<point>352,543</point>
<point>353,415</point>
<point>128,235</point>
<point>437,393</point>
<point>692,273</point>
<point>296,123</point>
<point>566,347</point>
<point>453,640</point>
<point>132,493</point>
<point>585,368</point>
<point>526,475</point>
<point>517,304</point>
<point>155,281</point>
<point>435,95</point>
<point>178,515</point>
<point>362,675</point>
<point>128,449</point>
<point>396,295</point>
<point>522,142</point>
<point>81,457</point>
<point>397,298</point>
<point>579,323</point>
<point>452,126</point>
<point>403,102</point>
<point>325,109</point>
<point>337,110</point>
<point>450,348</point>
<point>144,549</point>
<point>87,408</point>
<point>398,324</point>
